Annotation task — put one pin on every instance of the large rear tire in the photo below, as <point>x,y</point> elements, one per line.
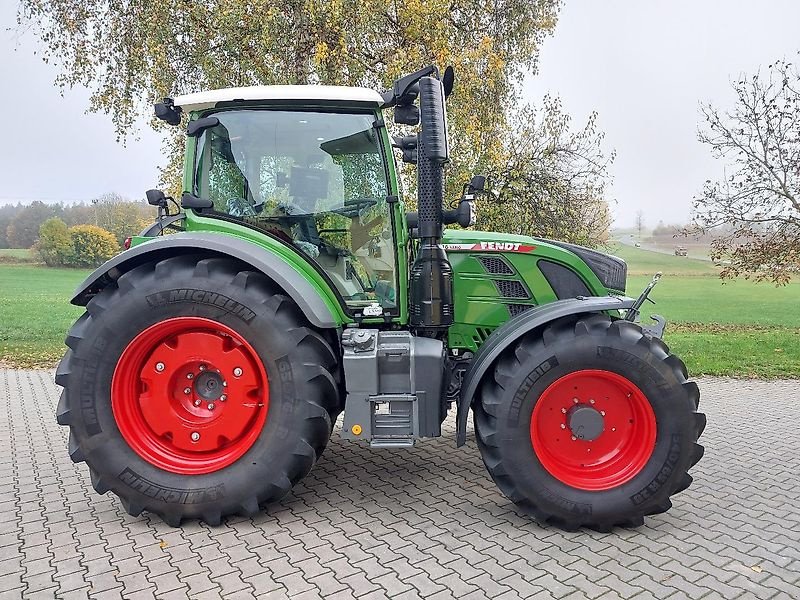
<point>193,388</point>
<point>589,423</point>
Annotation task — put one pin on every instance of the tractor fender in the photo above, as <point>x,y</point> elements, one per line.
<point>508,333</point>
<point>273,266</point>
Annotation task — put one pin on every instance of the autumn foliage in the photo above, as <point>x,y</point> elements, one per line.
<point>135,53</point>
<point>77,246</point>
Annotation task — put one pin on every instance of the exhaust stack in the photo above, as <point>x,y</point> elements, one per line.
<point>431,310</point>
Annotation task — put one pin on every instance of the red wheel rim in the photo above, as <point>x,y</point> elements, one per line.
<point>190,395</point>
<point>620,445</point>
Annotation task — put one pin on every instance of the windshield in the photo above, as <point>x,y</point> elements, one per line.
<point>316,180</point>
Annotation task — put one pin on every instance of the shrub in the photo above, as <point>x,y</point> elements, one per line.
<point>91,245</point>
<point>54,244</point>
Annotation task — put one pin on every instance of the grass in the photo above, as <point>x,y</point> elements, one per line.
<point>647,262</point>
<point>733,328</point>
<point>737,328</point>
<point>35,313</point>
<point>16,256</point>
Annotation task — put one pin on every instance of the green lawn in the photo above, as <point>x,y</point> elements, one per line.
<point>16,255</point>
<point>737,328</point>
<point>35,313</point>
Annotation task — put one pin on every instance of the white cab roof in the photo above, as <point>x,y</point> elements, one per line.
<point>203,100</point>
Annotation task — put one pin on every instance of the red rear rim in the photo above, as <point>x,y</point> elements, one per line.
<point>593,429</point>
<point>190,395</point>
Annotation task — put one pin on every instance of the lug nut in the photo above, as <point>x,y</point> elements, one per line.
<point>564,410</point>
<point>159,367</point>
<point>223,398</point>
<point>210,406</point>
<point>202,367</point>
<point>591,401</point>
<point>563,426</point>
<point>237,372</point>
<point>187,390</point>
<point>575,400</point>
<point>197,402</point>
<point>574,438</point>
<point>224,384</point>
<point>195,436</point>
<point>190,376</point>
<point>602,413</point>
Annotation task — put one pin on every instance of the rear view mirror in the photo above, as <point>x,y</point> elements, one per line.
<point>156,198</point>
<point>406,114</point>
<point>448,79</point>
<point>167,111</point>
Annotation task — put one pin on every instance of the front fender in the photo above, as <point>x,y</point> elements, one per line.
<point>505,335</point>
<point>320,310</point>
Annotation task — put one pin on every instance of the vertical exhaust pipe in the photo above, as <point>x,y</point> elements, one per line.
<point>431,310</point>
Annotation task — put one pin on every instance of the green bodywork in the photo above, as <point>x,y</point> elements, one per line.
<point>479,305</point>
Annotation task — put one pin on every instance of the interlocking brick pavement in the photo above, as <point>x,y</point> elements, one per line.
<point>424,522</point>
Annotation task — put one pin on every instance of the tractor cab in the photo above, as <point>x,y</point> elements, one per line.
<point>316,177</point>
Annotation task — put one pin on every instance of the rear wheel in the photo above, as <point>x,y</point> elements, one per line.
<point>194,388</point>
<point>591,423</point>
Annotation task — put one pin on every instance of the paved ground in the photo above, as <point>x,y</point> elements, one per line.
<point>426,522</point>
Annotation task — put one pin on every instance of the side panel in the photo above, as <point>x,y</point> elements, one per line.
<point>317,301</point>
<point>498,276</point>
<point>505,336</point>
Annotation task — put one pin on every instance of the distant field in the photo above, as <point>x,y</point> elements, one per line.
<point>16,255</point>
<point>737,328</point>
<point>646,262</point>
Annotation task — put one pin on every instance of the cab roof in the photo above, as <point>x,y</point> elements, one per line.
<point>293,93</point>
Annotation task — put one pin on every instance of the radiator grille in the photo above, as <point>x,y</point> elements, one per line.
<point>495,265</point>
<point>509,288</point>
<point>515,309</point>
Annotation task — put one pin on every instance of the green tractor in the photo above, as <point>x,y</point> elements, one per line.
<point>209,368</point>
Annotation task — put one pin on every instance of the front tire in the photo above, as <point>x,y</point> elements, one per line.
<point>193,388</point>
<point>589,423</point>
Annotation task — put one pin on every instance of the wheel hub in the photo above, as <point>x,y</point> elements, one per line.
<point>190,395</point>
<point>585,422</point>
<point>593,429</point>
<point>209,385</point>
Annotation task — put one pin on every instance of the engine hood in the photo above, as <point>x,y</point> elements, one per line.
<point>611,271</point>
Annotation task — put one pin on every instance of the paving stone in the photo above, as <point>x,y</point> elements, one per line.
<point>421,523</point>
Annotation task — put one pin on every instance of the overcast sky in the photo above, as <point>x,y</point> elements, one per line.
<point>644,66</point>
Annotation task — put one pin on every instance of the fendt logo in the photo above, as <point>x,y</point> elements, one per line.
<point>492,247</point>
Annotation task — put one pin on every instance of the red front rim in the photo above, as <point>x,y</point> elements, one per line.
<point>190,395</point>
<point>621,424</point>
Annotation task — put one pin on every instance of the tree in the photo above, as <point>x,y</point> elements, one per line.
<point>639,222</point>
<point>550,180</point>
<point>7,213</point>
<point>54,244</point>
<point>132,54</point>
<point>758,200</point>
<point>91,245</point>
<point>121,217</point>
<point>23,230</point>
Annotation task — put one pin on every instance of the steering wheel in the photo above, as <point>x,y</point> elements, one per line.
<point>352,208</point>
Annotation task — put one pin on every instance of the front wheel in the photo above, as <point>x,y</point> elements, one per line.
<point>592,423</point>
<point>193,388</point>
